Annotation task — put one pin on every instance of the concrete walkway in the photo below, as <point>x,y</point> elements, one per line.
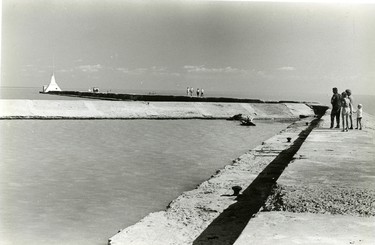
<point>326,195</point>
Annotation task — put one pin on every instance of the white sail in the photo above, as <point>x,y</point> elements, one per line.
<point>52,85</point>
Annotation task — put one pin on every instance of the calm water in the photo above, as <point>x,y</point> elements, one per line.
<point>79,181</point>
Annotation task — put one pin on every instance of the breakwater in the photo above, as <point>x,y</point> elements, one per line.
<point>159,97</point>
<point>102,109</point>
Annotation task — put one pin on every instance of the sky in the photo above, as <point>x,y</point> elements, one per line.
<point>256,48</point>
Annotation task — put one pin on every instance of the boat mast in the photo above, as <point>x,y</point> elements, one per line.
<point>53,65</point>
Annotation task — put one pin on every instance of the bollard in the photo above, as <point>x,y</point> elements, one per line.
<point>236,190</point>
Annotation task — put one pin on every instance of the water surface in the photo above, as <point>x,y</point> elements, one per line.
<point>79,181</point>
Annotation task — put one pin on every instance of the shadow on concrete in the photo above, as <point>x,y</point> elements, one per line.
<point>227,227</point>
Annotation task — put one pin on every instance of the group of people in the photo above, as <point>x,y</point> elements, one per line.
<point>190,92</point>
<point>342,104</point>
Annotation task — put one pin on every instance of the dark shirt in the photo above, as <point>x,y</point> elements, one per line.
<point>336,101</point>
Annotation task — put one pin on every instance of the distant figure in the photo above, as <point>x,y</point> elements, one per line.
<point>191,91</point>
<point>187,91</point>
<point>202,92</point>
<point>350,97</point>
<point>247,122</point>
<point>197,92</point>
<point>336,106</point>
<point>345,102</point>
<point>359,117</point>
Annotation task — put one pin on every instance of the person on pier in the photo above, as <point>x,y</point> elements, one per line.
<point>359,116</point>
<point>191,91</point>
<point>351,107</point>
<point>336,106</point>
<point>345,103</point>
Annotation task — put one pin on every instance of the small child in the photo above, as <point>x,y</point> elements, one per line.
<point>359,117</point>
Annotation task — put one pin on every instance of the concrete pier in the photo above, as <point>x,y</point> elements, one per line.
<point>326,195</point>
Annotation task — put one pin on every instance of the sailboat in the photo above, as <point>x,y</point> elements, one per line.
<point>52,85</point>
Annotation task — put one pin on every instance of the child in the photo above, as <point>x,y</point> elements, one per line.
<point>359,117</point>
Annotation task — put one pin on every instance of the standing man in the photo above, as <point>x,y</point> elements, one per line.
<point>336,106</point>
<point>350,97</point>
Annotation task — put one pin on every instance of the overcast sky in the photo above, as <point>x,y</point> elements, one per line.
<point>220,46</point>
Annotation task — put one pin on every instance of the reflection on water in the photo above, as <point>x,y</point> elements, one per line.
<point>78,182</point>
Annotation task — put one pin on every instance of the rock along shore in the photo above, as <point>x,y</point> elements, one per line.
<point>102,109</point>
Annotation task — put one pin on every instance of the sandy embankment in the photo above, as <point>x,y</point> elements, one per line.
<point>101,109</point>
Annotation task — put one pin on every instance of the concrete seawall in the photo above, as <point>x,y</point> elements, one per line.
<point>101,109</point>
